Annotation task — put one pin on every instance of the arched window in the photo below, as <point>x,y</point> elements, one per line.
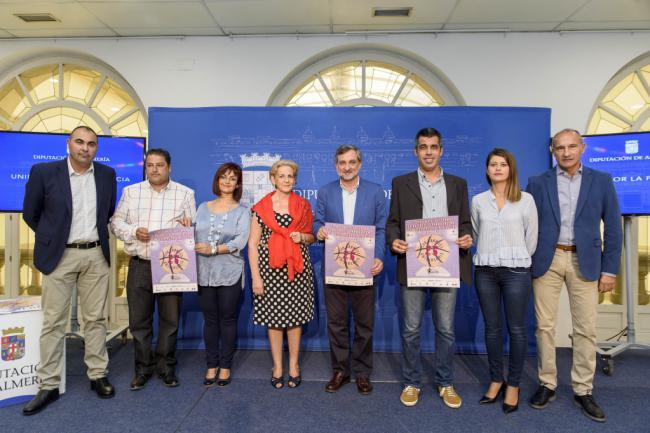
<point>365,75</point>
<point>624,106</point>
<point>55,91</point>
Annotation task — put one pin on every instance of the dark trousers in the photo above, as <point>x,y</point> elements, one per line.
<point>141,308</point>
<point>337,300</point>
<point>219,305</point>
<point>510,287</point>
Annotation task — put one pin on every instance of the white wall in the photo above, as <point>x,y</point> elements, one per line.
<point>565,72</point>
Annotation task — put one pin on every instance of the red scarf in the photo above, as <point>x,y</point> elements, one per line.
<point>282,250</point>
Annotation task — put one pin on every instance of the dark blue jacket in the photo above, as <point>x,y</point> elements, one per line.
<point>369,210</point>
<point>596,202</point>
<point>47,209</point>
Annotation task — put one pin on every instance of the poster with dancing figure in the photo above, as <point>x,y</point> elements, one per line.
<point>432,257</point>
<point>173,261</point>
<point>349,254</point>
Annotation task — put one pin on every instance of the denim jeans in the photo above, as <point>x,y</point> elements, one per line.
<point>511,287</point>
<point>443,306</point>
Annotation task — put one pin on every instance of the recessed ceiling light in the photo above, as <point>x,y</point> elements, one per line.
<point>392,12</point>
<point>37,18</point>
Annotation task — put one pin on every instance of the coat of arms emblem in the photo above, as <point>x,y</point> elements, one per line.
<point>256,176</point>
<point>13,343</point>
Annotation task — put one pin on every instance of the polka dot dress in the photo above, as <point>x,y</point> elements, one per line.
<point>284,304</point>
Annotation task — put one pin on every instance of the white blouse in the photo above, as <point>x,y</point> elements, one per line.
<point>506,237</point>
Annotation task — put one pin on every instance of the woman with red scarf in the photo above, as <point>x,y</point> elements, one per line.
<point>281,270</point>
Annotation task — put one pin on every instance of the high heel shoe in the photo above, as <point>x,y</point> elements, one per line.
<point>294,381</point>
<point>277,382</point>
<point>509,408</point>
<point>490,400</point>
<point>209,381</point>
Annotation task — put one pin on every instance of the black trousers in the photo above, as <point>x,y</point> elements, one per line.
<point>219,305</point>
<point>337,301</point>
<point>142,300</point>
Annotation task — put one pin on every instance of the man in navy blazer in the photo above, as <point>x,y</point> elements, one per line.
<point>68,204</point>
<point>572,200</point>
<point>351,200</point>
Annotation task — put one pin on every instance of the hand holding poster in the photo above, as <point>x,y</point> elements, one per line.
<point>349,254</point>
<point>432,258</point>
<point>173,261</point>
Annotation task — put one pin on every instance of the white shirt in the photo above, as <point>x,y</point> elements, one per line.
<point>142,206</point>
<point>506,237</point>
<point>349,201</point>
<point>84,205</point>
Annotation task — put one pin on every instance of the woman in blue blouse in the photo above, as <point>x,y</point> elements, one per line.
<point>221,232</point>
<point>504,220</point>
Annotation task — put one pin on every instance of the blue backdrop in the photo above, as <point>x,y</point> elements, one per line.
<point>200,139</point>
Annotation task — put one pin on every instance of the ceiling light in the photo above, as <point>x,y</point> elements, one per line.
<point>37,18</point>
<point>392,12</point>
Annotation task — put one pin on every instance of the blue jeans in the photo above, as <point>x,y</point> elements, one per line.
<point>443,306</point>
<point>511,287</point>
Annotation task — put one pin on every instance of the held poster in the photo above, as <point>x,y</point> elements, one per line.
<point>349,254</point>
<point>432,258</point>
<point>173,260</point>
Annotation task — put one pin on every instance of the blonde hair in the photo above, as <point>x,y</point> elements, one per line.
<point>283,163</point>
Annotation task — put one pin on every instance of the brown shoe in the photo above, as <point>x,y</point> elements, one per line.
<point>364,386</point>
<point>336,382</point>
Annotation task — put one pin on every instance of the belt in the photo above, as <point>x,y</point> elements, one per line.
<point>83,246</point>
<point>566,247</point>
<point>139,259</point>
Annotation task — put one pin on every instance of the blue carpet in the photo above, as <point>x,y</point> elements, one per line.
<point>250,404</point>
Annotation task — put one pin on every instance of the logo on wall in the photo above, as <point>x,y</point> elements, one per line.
<point>631,146</point>
<point>255,175</point>
<point>13,344</point>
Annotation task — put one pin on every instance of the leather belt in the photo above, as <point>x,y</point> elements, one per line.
<point>83,246</point>
<point>139,259</point>
<point>566,247</point>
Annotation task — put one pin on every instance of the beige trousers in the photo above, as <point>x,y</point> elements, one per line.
<point>583,300</point>
<point>88,270</point>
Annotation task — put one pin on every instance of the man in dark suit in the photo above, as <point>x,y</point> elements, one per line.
<point>425,193</point>
<point>351,200</point>
<point>572,200</point>
<point>68,205</point>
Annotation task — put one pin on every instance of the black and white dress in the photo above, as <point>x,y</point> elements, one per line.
<point>284,303</point>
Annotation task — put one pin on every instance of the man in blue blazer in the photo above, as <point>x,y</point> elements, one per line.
<point>572,200</point>
<point>68,204</point>
<point>351,200</point>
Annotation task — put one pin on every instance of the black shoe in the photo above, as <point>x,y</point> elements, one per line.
<point>223,382</point>
<point>487,400</point>
<point>102,387</point>
<point>542,397</point>
<point>40,401</point>
<point>589,407</point>
<point>139,381</point>
<point>170,379</point>
<point>509,408</point>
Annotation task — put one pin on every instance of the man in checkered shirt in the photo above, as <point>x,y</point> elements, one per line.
<point>157,203</point>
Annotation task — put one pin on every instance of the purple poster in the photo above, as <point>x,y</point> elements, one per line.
<point>432,256</point>
<point>349,254</point>
<point>173,261</point>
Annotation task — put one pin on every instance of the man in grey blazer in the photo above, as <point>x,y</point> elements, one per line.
<point>425,193</point>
